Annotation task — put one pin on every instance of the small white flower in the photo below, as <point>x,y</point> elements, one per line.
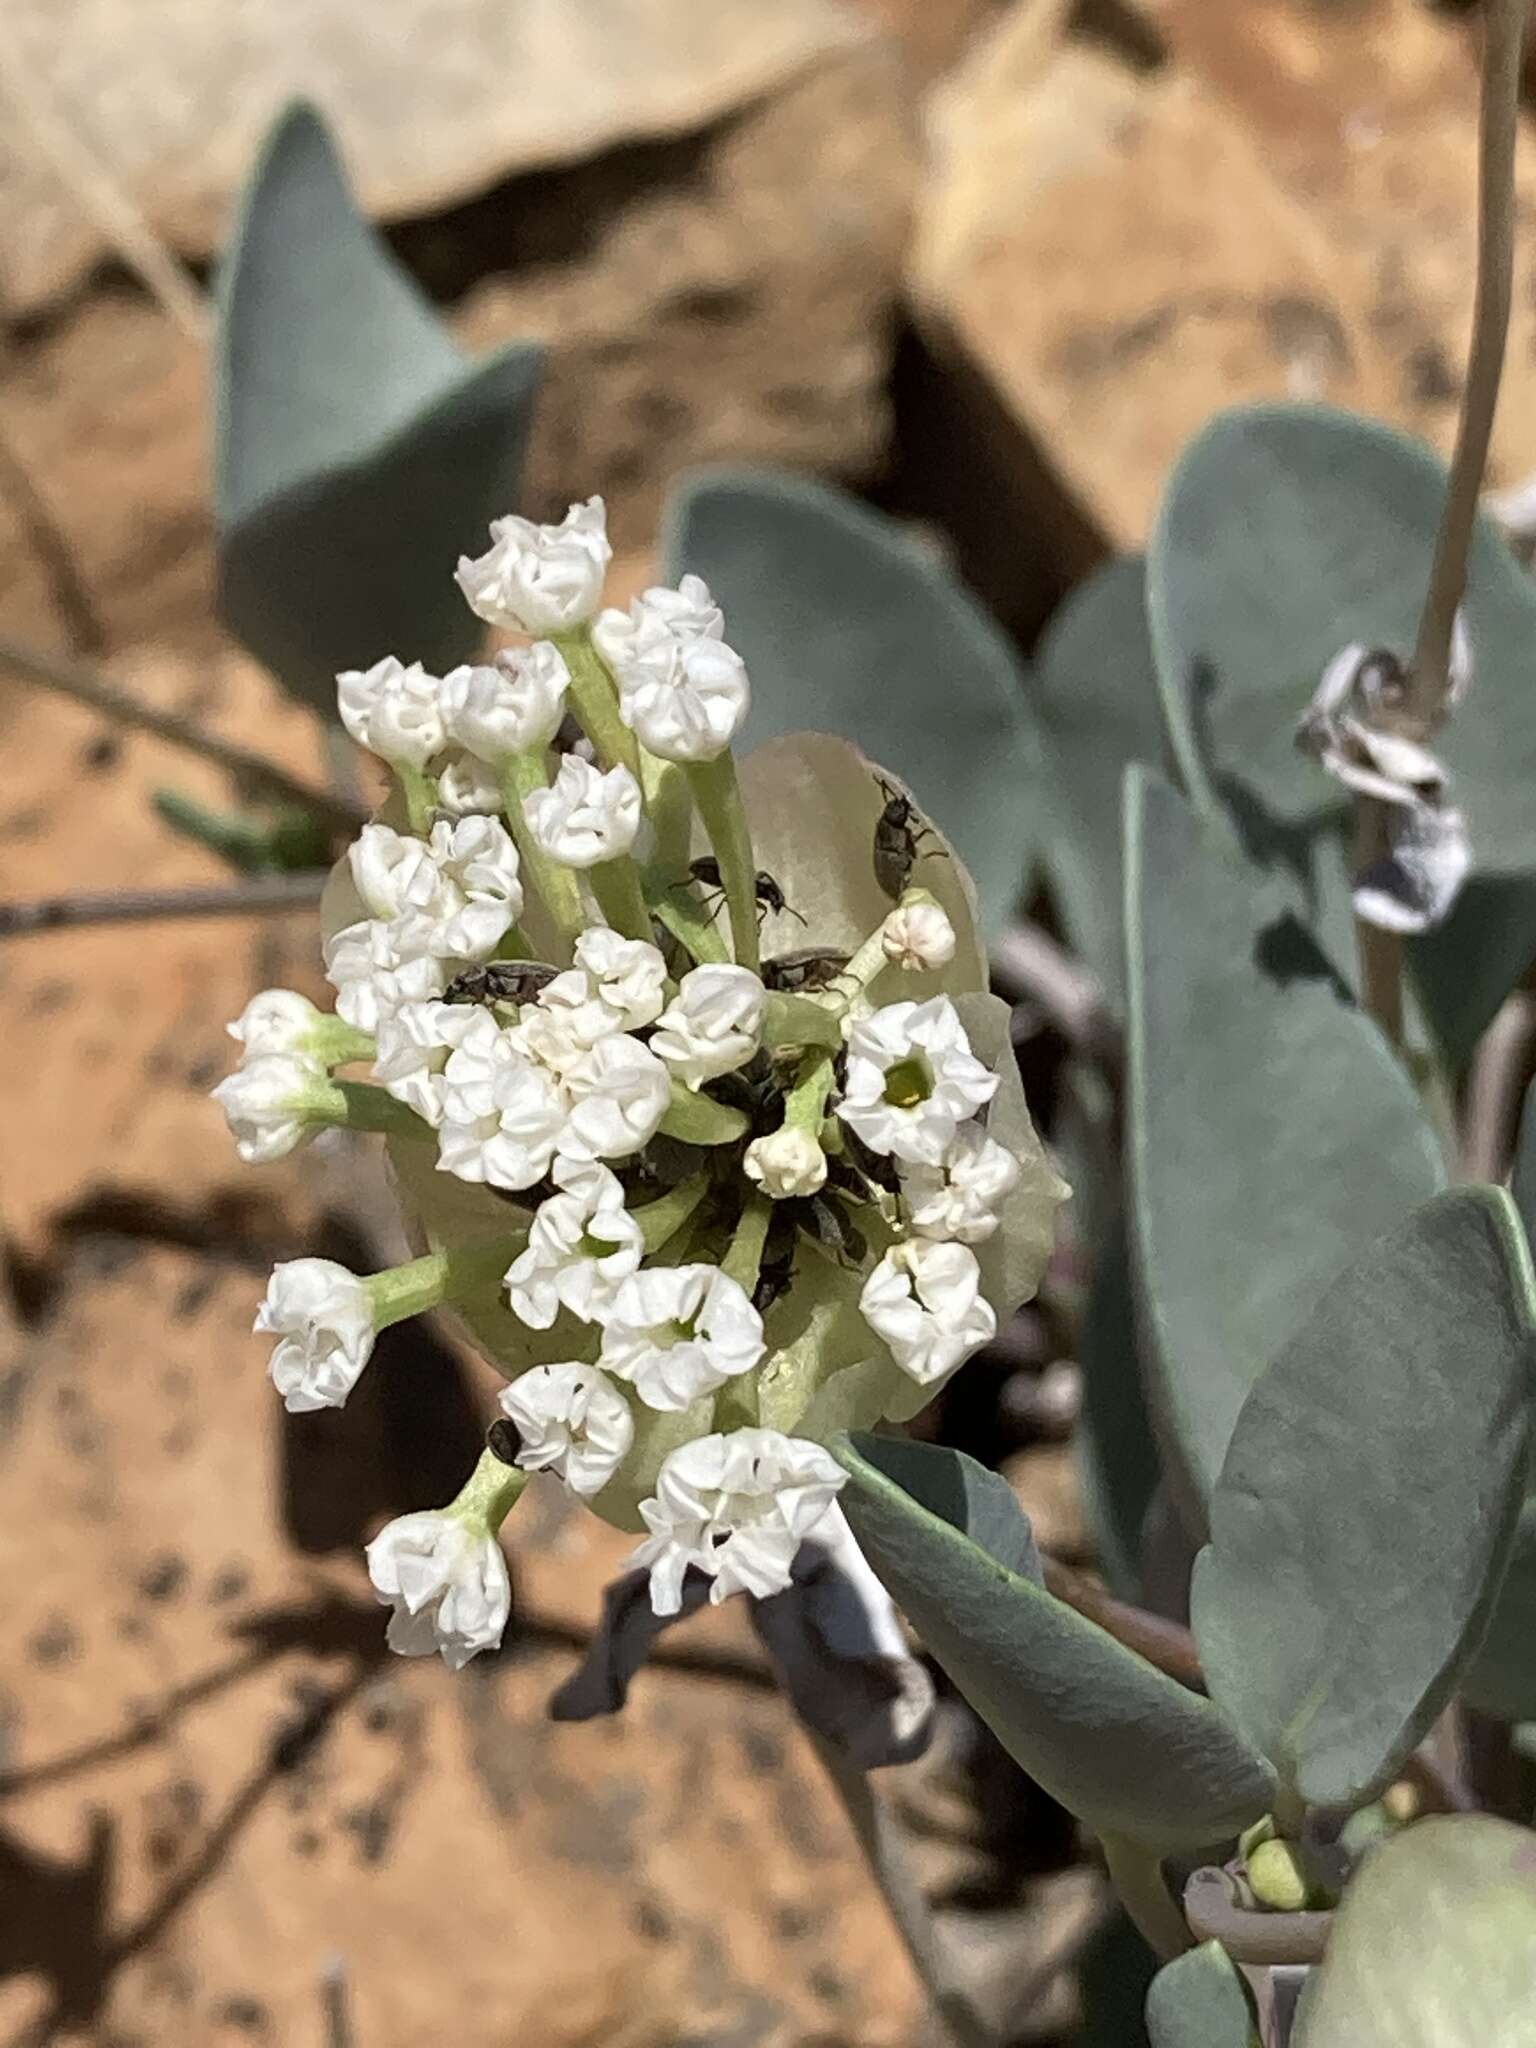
<point>912,1080</point>
<point>467,787</point>
<point>279,1020</point>
<point>480,894</point>
<point>371,981</point>
<point>676,1332</point>
<point>737,1506</point>
<point>620,1093</point>
<point>786,1163</point>
<point>681,688</point>
<point>413,1044</point>
<point>510,707</point>
<point>323,1318</point>
<point>392,710</point>
<point>397,878</point>
<point>502,1114</point>
<point>628,975</point>
<point>713,1025</point>
<point>540,579</point>
<point>563,1023</point>
<point>585,816</point>
<point>582,1245</point>
<point>961,1196</point>
<point>447,1583</point>
<point>572,1422</point>
<point>925,1300</point>
<point>918,935</point>
<point>269,1103</point>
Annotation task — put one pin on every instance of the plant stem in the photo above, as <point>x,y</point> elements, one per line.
<point>1137,1875</point>
<point>262,895</point>
<point>687,920</point>
<point>883,1851</point>
<point>616,885</point>
<point>665,1217</point>
<point>1380,953</point>
<point>725,819</point>
<point>361,1106</point>
<point>557,886</point>
<point>1503,36</point>
<point>71,679</point>
<point>595,700</point>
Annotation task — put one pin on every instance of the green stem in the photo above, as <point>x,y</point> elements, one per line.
<point>744,1257</point>
<point>362,1107</point>
<point>420,1284</point>
<point>669,807</point>
<point>616,885</point>
<point>521,775</point>
<point>334,1042</point>
<point>700,1120</point>
<point>665,1217</point>
<point>595,700</point>
<point>685,917</point>
<point>489,1494</point>
<point>718,798</point>
<point>420,793</point>
<point>800,1020</point>
<point>805,1106</point>
<point>1137,1875</point>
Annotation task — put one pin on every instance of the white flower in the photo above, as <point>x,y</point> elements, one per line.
<point>563,1023</point>
<point>467,787</point>
<point>912,1079</point>
<point>786,1163</point>
<point>392,710</point>
<point>413,1044</point>
<point>585,816</point>
<point>370,980</point>
<point>480,895</point>
<point>628,974</point>
<point>620,1093</point>
<point>925,1300</point>
<point>280,1020</point>
<point>447,1583</point>
<point>398,881</point>
<point>323,1318</point>
<point>540,579</point>
<point>502,1113</point>
<point>962,1195</point>
<point>918,935</point>
<point>713,1025</point>
<point>676,1332</point>
<point>571,1422</point>
<point>681,688</point>
<point>511,707</point>
<point>738,1507</point>
<point>582,1244</point>
<point>269,1103</point>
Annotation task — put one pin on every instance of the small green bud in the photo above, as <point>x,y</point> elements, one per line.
<point>1276,1875</point>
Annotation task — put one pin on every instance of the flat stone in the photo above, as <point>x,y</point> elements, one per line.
<point>166,100</point>
<point>1230,206</point>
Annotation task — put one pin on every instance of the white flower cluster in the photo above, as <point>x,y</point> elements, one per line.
<point>642,1119</point>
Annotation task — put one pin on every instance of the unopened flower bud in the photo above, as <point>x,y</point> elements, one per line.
<point>785,1164</point>
<point>585,817</point>
<point>510,707</point>
<point>323,1318</point>
<point>392,710</point>
<point>272,1105</point>
<point>540,579</point>
<point>917,936</point>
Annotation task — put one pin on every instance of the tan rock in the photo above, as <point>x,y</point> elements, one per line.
<point>1045,1483</point>
<point>1280,208</point>
<point>164,101</point>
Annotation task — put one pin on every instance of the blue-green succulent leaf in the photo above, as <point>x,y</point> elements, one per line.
<point>1200,2001</point>
<point>1272,1134</point>
<point>357,452</point>
<point>847,626</point>
<point>1367,1507</point>
<point>1125,1747</point>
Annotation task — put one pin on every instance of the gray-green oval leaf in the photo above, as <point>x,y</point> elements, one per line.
<point>1200,2001</point>
<point>1367,1506</point>
<point>1119,1743</point>
<point>1434,1945</point>
<point>1272,1133</point>
<point>357,452</point>
<point>848,627</point>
